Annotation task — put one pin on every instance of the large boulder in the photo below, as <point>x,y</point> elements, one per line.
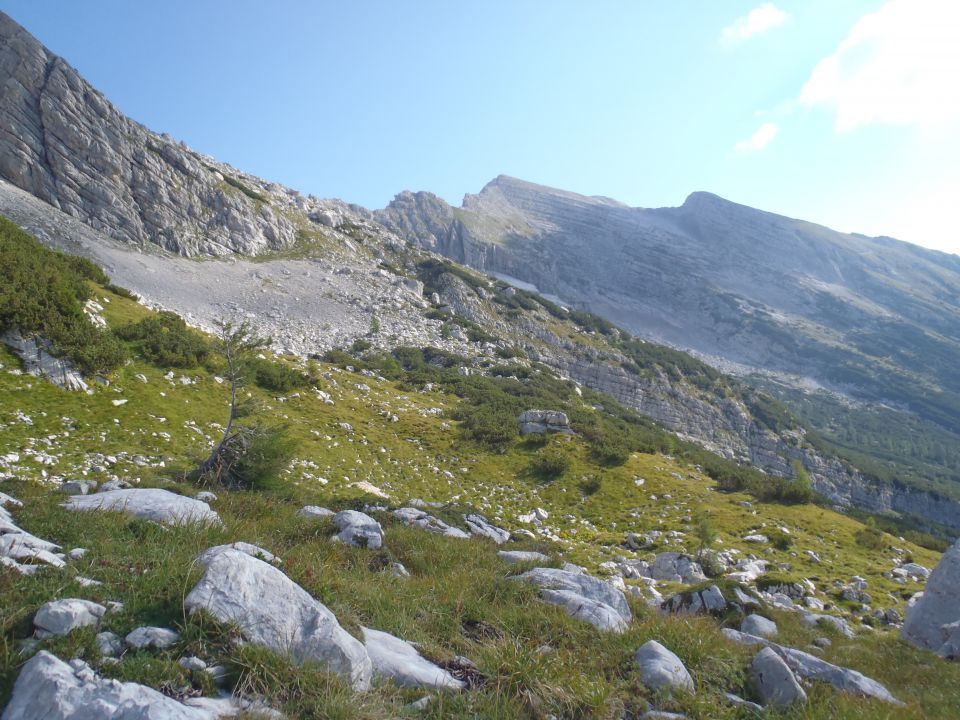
<point>676,567</point>
<point>272,610</point>
<point>929,621</point>
<point>582,596</point>
<point>60,617</point>
<point>660,668</point>
<point>758,625</point>
<point>774,682</point>
<point>399,661</point>
<point>538,422</point>
<point>808,667</point>
<point>50,689</point>
<point>155,504</point>
<point>358,529</point>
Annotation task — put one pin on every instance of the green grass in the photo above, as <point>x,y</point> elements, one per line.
<point>460,599</point>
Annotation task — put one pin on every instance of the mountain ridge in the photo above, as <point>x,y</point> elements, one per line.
<point>199,207</point>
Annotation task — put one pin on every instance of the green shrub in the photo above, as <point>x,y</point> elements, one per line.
<point>254,458</point>
<point>550,463</point>
<point>276,377</point>
<point>43,291</point>
<point>166,341</point>
<point>590,485</point>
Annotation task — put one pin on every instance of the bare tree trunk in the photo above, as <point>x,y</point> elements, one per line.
<point>211,462</point>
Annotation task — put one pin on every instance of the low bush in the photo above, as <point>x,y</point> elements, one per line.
<point>166,341</point>
<point>550,463</point>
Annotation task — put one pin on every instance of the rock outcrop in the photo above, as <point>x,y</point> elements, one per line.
<point>932,622</point>
<point>64,142</point>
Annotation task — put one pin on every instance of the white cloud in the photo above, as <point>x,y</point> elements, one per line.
<point>899,65</point>
<point>762,18</point>
<point>760,139</point>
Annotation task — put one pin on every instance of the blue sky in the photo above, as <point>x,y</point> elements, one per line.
<point>844,113</point>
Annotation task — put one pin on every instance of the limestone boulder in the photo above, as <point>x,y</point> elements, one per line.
<point>155,504</point>
<point>273,611</point>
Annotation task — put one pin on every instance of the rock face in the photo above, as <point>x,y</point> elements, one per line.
<point>660,668</point>
<point>61,140</point>
<point>747,289</point>
<point>161,506</point>
<point>582,596</point>
<point>539,422</point>
<point>774,681</point>
<point>931,622</point>
<point>399,661</point>
<point>36,355</point>
<point>273,611</point>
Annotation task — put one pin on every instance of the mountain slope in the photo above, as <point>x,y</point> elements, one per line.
<point>873,320</point>
<point>326,274</point>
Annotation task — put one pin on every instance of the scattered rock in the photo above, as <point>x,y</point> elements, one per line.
<point>154,504</point>
<point>413,517</point>
<point>478,525</point>
<point>109,644</point>
<point>358,529</point>
<point>315,512</point>
<point>809,667</point>
<point>152,637</point>
<point>521,556</point>
<point>758,625</point>
<point>50,689</point>
<point>538,422</point>
<point>399,661</point>
<point>660,668</point>
<point>584,597</point>
<point>79,487</point>
<point>929,619</point>
<point>774,681</point>
<point>60,617</point>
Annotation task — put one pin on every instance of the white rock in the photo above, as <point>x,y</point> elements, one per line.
<point>152,637</point>
<point>50,689</point>
<point>316,512</point>
<point>110,644</point>
<point>660,668</point>
<point>758,625</point>
<point>399,661</point>
<point>154,504</point>
<point>206,496</point>
<point>582,596</point>
<point>522,556</point>
<point>358,529</point>
<point>244,547</point>
<point>774,681</point>
<point>273,611</point>
<point>60,617</point>
<point>938,606</point>
<point>808,667</point>
<point>478,525</point>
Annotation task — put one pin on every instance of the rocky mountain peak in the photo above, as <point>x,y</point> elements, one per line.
<point>64,142</point>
